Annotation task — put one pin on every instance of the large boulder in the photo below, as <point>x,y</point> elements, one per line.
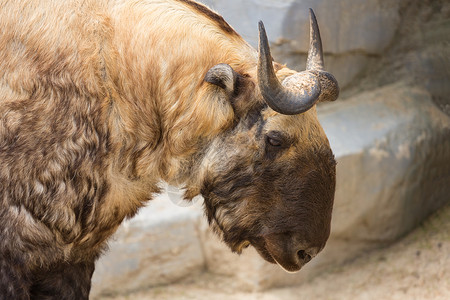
<point>393,150</point>
<point>159,246</point>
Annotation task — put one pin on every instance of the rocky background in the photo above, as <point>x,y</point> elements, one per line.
<point>390,131</point>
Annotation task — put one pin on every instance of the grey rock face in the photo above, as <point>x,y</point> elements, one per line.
<point>158,246</point>
<point>393,148</point>
<point>354,32</point>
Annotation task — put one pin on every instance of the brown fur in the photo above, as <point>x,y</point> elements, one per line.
<point>100,100</point>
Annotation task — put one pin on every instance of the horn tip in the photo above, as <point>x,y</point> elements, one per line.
<point>263,41</point>
<point>315,53</point>
<point>312,16</point>
<point>261,25</point>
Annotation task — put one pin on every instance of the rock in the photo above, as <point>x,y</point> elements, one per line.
<point>353,32</point>
<point>399,143</point>
<point>393,147</point>
<point>158,246</point>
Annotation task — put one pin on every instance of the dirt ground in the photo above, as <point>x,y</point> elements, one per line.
<point>417,267</point>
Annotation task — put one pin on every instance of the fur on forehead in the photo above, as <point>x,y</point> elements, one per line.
<point>299,127</point>
<point>296,126</point>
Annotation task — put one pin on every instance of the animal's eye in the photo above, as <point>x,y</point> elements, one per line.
<point>274,139</point>
<point>274,142</point>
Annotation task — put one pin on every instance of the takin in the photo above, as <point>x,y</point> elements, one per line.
<point>101,100</point>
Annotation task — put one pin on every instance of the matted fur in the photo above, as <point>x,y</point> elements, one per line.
<point>101,100</point>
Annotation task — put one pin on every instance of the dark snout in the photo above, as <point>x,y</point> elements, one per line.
<point>290,251</point>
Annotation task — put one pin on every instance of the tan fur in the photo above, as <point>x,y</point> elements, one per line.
<point>100,100</point>
<point>153,96</point>
<point>163,76</point>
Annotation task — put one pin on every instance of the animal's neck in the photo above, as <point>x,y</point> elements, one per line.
<point>167,114</point>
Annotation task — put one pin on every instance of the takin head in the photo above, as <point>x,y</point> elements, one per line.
<point>269,181</point>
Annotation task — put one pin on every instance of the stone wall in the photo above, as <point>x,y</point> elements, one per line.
<point>390,132</point>
<point>354,32</point>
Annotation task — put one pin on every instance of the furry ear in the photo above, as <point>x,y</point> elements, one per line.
<point>223,76</point>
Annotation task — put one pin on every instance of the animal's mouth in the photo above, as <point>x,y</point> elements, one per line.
<point>260,246</point>
<point>276,257</point>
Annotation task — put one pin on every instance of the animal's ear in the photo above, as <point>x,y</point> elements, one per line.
<point>223,76</point>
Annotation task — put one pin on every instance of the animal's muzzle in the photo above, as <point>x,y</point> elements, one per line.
<point>284,250</point>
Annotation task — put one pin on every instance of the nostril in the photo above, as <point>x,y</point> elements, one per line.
<point>302,255</point>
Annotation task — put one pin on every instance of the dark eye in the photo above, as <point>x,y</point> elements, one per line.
<point>275,139</point>
<point>274,142</point>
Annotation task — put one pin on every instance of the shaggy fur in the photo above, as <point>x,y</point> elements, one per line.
<point>101,100</point>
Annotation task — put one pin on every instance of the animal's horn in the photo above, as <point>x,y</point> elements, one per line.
<point>298,92</point>
<point>315,53</point>
<point>314,63</point>
<point>278,97</point>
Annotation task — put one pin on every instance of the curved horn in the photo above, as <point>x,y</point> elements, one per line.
<point>314,63</point>
<point>298,92</point>
<point>280,99</point>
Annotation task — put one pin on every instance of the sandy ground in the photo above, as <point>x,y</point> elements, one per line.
<point>417,267</point>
